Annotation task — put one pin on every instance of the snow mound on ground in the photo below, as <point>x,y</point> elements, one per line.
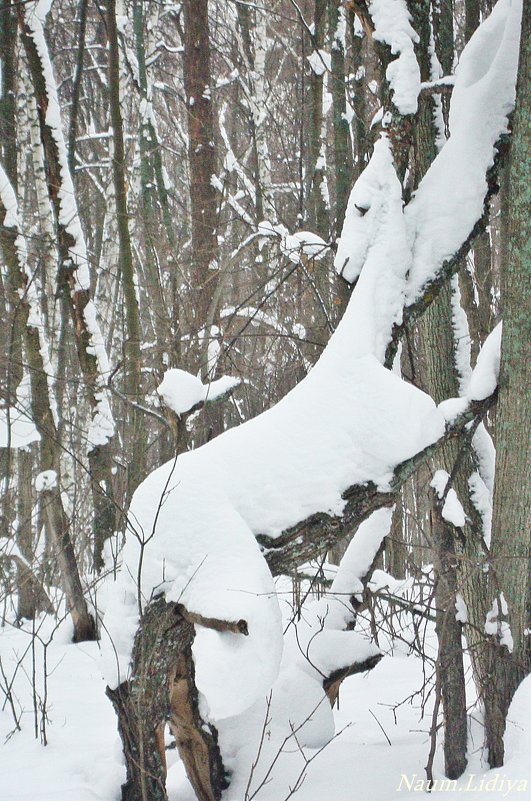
<point>518,730</point>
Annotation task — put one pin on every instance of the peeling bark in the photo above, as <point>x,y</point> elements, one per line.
<point>160,691</point>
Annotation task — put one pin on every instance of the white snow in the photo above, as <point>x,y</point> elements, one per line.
<point>300,243</point>
<point>461,612</point>
<point>355,564</point>
<point>393,27</point>
<point>220,387</point>
<point>374,250</point>
<point>181,391</point>
<point>400,250</point>
<point>17,430</point>
<point>484,378</point>
<point>461,337</point>
<point>482,499</point>
<point>46,480</point>
<point>320,61</point>
<point>82,734</point>
<point>449,200</point>
<point>495,625</point>
<point>304,243</point>
<point>452,510</point>
<point>452,408</point>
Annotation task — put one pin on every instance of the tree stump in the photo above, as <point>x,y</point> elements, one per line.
<point>162,690</point>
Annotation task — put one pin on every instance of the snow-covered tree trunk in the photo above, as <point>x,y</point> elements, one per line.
<point>342,141</point>
<point>24,296</point>
<point>73,275</point>
<point>317,209</point>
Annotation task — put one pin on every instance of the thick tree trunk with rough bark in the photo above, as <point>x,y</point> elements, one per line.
<point>510,569</point>
<point>436,372</point>
<point>202,160</point>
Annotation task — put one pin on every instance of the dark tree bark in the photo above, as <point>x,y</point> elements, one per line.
<point>316,209</point>
<point>202,158</point>
<point>162,691</point>
<point>450,656</point>
<point>8,40</point>
<point>472,9</point>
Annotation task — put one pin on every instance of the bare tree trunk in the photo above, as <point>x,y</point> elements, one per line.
<point>472,9</point>
<point>342,140</point>
<point>450,655</point>
<point>317,210</point>
<point>8,39</point>
<point>437,374</point>
<point>511,529</point>
<point>132,349</point>
<point>202,163</point>
<point>361,132</point>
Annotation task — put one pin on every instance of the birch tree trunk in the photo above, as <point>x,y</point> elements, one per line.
<point>24,296</point>
<point>73,275</point>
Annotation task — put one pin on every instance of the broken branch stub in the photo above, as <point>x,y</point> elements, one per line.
<point>161,690</point>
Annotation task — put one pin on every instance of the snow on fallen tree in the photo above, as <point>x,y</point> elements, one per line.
<point>193,618</point>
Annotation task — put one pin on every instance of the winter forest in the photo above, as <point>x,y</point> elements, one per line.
<point>265,293</point>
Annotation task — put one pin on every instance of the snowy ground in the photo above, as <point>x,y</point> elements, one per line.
<point>82,761</point>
